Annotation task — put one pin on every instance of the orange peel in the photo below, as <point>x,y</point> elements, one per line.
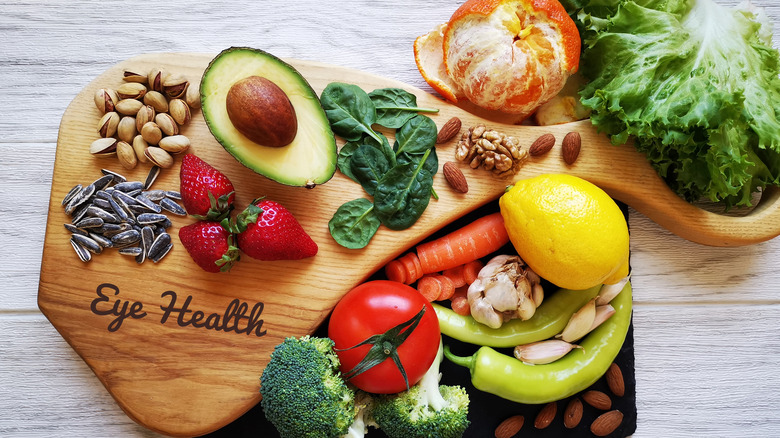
<point>503,55</point>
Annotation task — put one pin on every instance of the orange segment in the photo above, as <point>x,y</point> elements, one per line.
<point>510,55</point>
<point>429,57</point>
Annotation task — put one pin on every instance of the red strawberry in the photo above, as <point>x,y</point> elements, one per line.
<point>210,245</point>
<point>205,191</point>
<point>268,231</point>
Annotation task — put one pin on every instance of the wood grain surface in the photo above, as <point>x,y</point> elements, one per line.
<point>705,316</point>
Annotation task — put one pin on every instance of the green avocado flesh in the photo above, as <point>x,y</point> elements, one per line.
<point>311,157</point>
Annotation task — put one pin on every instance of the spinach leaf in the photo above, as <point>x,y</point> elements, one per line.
<point>344,160</point>
<point>416,136</point>
<point>431,164</point>
<point>349,110</point>
<point>395,106</point>
<point>402,195</point>
<point>354,224</point>
<point>369,165</point>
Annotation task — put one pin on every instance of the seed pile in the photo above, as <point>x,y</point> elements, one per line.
<point>112,212</point>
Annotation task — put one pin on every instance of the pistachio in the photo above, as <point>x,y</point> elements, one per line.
<point>192,97</point>
<point>175,144</point>
<point>133,76</point>
<point>131,90</point>
<point>128,107</point>
<point>126,129</point>
<point>108,124</point>
<point>157,101</point>
<point>175,86</point>
<point>126,154</point>
<point>156,77</point>
<point>139,147</point>
<point>105,100</point>
<point>166,123</point>
<point>151,133</point>
<point>159,157</point>
<point>180,111</point>
<point>144,115</point>
<point>103,147</point>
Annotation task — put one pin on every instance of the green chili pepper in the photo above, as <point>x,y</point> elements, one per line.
<point>549,319</point>
<point>513,380</point>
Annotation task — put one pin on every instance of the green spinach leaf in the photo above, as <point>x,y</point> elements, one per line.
<point>369,165</point>
<point>354,224</point>
<point>416,136</point>
<point>395,106</point>
<point>349,110</point>
<point>344,161</point>
<point>402,195</point>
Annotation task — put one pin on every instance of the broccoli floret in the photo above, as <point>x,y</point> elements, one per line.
<point>427,409</point>
<point>303,392</point>
<point>364,416</point>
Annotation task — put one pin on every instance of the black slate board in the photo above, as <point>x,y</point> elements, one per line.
<point>487,411</point>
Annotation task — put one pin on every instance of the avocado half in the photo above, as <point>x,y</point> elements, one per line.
<point>310,159</point>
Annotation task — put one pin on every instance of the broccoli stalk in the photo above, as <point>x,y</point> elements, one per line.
<point>363,418</point>
<point>426,409</point>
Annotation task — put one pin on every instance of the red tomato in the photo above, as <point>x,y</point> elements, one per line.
<point>372,309</point>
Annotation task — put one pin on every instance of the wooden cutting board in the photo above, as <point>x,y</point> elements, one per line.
<point>180,379</point>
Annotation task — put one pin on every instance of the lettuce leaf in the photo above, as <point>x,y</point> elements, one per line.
<point>694,84</point>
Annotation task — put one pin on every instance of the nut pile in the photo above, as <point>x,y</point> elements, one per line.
<point>112,212</point>
<point>607,421</point>
<point>142,118</point>
<point>491,150</point>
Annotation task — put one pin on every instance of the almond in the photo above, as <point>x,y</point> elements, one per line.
<point>546,415</point>
<point>573,414</point>
<point>615,380</point>
<point>598,400</point>
<point>571,147</point>
<point>509,427</point>
<point>449,130</point>
<point>455,177</point>
<point>542,145</point>
<point>606,423</point>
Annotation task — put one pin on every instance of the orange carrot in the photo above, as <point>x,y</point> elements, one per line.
<point>455,275</point>
<point>471,270</point>
<point>411,265</point>
<point>395,271</point>
<point>477,239</point>
<point>460,292</point>
<point>460,305</point>
<point>429,287</point>
<point>447,288</point>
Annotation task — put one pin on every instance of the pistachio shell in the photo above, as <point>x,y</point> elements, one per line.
<point>151,133</point>
<point>180,111</point>
<point>106,100</point>
<point>175,86</point>
<point>126,154</point>
<point>139,146</point>
<point>133,76</point>
<point>175,144</point>
<point>103,147</point>
<point>128,107</point>
<point>108,124</point>
<point>156,77</point>
<point>144,115</point>
<point>159,157</point>
<point>166,123</point>
<point>126,129</point>
<point>131,90</point>
<point>157,101</point>
<point>192,96</point>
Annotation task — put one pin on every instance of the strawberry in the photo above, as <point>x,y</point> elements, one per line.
<point>210,245</point>
<point>205,191</point>
<point>268,231</point>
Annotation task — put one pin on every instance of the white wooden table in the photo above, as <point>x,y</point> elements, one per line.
<point>707,320</point>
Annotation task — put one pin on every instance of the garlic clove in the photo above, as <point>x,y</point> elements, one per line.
<point>580,323</point>
<point>538,294</point>
<point>543,352</point>
<point>609,291</point>
<point>603,313</point>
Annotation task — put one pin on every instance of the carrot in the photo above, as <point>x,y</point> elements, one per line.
<point>395,271</point>
<point>460,292</point>
<point>460,305</point>
<point>447,288</point>
<point>429,287</point>
<point>411,266</point>
<point>477,239</point>
<point>455,275</point>
<point>471,270</point>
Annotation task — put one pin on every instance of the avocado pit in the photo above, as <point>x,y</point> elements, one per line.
<point>262,111</point>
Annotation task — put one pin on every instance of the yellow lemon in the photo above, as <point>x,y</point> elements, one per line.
<point>568,230</point>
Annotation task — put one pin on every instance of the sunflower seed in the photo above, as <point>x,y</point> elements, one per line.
<point>73,192</point>
<point>81,197</point>
<point>146,202</point>
<point>98,212</point>
<point>89,222</point>
<point>126,237</point>
<point>129,186</point>
<point>101,203</point>
<point>131,251</point>
<point>82,252</point>
<point>75,230</point>
<point>154,195</point>
<point>109,228</point>
<point>133,193</point>
<point>140,258</point>
<point>102,240</point>
<point>88,243</point>
<point>118,210</point>
<point>159,244</point>
<point>160,254</point>
<point>172,194</point>
<point>119,195</point>
<point>150,218</point>
<point>117,177</point>
<point>173,207</point>
<point>103,194</point>
<point>103,182</point>
<point>154,172</point>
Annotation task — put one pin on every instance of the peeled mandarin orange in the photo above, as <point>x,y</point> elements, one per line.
<point>430,61</point>
<point>508,55</point>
